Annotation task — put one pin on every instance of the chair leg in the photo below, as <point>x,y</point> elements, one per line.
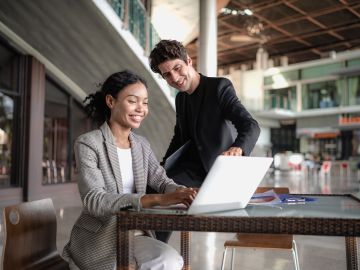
<point>295,256</point>
<point>224,259</point>
<point>232,258</point>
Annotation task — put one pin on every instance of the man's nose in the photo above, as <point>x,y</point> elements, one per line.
<point>174,77</point>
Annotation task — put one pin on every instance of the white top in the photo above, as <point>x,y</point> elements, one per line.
<point>126,169</point>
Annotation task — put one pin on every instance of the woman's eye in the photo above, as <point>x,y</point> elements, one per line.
<point>132,101</point>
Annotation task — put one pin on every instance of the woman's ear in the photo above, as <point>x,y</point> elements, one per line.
<point>109,101</point>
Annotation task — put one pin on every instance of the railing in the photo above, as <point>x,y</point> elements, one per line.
<point>137,21</point>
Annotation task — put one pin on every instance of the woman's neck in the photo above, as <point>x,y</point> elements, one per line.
<point>121,135</point>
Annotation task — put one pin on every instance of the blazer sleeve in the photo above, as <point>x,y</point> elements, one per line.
<point>94,194</point>
<point>248,130</point>
<point>156,177</point>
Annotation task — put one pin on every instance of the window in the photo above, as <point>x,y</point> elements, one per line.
<point>10,120</point>
<point>320,95</point>
<point>354,90</point>
<point>284,98</point>
<point>64,121</point>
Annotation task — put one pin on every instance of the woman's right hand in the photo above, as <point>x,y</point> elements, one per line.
<point>181,195</point>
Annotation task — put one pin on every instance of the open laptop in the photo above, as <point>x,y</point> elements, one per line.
<point>229,185</point>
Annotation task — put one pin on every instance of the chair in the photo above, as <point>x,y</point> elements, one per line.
<point>253,240</point>
<point>30,237</point>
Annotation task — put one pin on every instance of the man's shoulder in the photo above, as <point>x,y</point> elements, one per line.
<point>216,82</point>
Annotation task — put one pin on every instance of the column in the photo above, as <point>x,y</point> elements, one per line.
<point>207,47</point>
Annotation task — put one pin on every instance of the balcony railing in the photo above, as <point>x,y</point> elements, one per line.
<point>137,21</point>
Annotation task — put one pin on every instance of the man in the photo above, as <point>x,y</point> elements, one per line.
<point>208,114</point>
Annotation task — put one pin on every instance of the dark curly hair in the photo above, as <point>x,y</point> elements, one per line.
<point>95,104</point>
<point>165,50</point>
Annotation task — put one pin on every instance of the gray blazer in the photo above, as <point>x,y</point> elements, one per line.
<point>92,242</point>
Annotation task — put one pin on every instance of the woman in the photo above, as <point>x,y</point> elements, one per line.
<point>115,166</point>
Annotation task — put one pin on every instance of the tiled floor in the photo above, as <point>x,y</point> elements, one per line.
<point>313,251</point>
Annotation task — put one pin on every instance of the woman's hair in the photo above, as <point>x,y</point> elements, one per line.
<point>166,50</point>
<point>95,104</point>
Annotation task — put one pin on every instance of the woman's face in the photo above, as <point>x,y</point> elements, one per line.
<point>130,106</point>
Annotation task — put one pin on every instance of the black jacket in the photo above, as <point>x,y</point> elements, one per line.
<point>219,122</point>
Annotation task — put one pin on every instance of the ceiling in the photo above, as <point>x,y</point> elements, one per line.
<point>302,30</point>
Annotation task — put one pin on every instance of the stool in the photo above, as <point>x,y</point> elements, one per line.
<point>254,240</point>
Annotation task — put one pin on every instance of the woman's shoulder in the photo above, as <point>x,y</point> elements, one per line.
<point>91,136</point>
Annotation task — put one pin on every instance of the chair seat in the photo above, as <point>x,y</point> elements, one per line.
<point>283,241</point>
<point>255,240</point>
<point>30,237</point>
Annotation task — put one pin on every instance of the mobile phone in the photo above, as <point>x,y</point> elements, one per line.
<point>294,200</point>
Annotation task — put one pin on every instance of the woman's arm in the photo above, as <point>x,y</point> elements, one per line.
<point>94,193</point>
<point>181,195</point>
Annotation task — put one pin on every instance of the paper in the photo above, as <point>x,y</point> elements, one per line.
<point>267,197</point>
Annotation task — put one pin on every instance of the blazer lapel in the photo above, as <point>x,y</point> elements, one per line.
<point>113,155</point>
<point>138,164</point>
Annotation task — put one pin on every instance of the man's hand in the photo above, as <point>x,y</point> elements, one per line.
<point>233,151</point>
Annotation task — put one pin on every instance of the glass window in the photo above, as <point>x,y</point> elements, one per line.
<point>64,121</point>
<point>354,90</point>
<point>6,138</point>
<point>10,145</point>
<point>320,95</point>
<point>353,62</point>
<point>284,98</point>
<point>56,135</point>
<point>320,71</point>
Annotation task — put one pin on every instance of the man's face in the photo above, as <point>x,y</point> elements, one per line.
<point>179,74</point>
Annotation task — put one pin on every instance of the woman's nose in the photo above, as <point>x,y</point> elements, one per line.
<point>140,107</point>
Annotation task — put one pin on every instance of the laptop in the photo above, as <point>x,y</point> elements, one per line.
<point>229,185</point>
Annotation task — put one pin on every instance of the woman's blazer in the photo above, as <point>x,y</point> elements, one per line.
<point>93,239</point>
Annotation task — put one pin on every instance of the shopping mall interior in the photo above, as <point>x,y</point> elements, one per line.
<point>295,66</point>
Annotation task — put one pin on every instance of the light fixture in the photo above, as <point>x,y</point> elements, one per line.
<point>234,12</point>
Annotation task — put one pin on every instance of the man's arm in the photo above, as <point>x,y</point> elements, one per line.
<point>247,128</point>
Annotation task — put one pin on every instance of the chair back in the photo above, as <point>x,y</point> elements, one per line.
<point>30,237</point>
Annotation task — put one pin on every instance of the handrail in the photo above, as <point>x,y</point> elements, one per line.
<point>137,21</point>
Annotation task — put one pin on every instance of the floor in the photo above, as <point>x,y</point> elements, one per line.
<point>208,247</point>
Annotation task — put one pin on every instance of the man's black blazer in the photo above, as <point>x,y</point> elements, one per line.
<point>220,122</point>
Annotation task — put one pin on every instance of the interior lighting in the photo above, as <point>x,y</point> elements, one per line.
<point>248,12</point>
<point>234,12</point>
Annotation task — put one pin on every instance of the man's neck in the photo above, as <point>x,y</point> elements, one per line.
<point>195,82</point>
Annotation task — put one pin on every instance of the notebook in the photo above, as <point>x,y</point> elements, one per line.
<point>229,185</point>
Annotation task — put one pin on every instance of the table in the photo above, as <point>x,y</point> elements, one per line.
<point>331,215</point>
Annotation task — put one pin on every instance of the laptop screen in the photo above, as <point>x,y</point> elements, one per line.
<point>230,183</point>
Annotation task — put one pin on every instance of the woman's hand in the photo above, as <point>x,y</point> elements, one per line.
<point>181,195</point>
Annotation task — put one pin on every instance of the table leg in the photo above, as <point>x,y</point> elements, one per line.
<point>125,250</point>
<point>185,249</point>
<point>351,253</point>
